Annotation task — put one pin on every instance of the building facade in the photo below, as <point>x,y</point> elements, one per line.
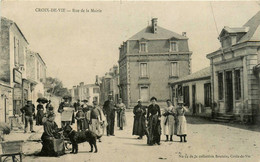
<point>13,64</point>
<point>235,87</point>
<point>17,70</point>
<point>36,74</point>
<point>90,92</point>
<point>110,85</point>
<point>196,91</point>
<point>149,61</point>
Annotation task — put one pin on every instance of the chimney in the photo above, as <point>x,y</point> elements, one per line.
<point>154,25</point>
<point>184,34</point>
<point>96,80</point>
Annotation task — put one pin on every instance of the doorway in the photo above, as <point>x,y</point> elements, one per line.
<point>144,94</point>
<point>229,92</point>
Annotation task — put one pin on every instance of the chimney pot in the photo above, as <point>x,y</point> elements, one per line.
<point>154,25</point>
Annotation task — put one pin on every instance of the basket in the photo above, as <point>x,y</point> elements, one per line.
<point>11,147</point>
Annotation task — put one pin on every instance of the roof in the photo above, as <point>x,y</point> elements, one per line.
<point>253,33</point>
<point>10,23</point>
<point>162,33</point>
<point>203,73</point>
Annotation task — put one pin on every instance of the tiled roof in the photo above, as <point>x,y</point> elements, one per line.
<point>204,73</point>
<point>162,33</point>
<point>254,30</point>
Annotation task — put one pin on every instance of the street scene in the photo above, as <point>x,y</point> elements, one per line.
<point>130,81</point>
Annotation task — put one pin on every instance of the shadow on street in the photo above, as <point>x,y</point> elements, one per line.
<point>199,120</point>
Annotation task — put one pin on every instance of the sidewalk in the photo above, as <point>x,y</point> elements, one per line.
<point>20,135</point>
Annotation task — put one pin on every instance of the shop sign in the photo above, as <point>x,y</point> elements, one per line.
<point>18,94</point>
<point>17,76</point>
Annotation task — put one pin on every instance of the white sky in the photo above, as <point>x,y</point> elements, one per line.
<point>78,46</point>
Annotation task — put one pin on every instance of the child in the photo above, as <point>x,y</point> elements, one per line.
<point>80,117</point>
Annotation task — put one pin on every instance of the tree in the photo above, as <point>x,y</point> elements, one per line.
<point>55,87</point>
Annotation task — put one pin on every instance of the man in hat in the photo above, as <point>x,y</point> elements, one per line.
<point>28,110</point>
<point>77,105</point>
<point>66,104</point>
<point>109,111</point>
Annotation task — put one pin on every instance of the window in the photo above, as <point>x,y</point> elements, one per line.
<point>143,47</point>
<point>186,96</point>
<point>143,70</point>
<point>95,90</point>
<point>207,94</point>
<point>38,70</point>
<point>220,86</point>
<point>237,85</point>
<point>174,69</point>
<point>16,51</point>
<point>173,46</point>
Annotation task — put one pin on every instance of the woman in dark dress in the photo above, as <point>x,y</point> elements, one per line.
<point>52,144</point>
<point>40,113</point>
<point>154,123</point>
<point>139,120</point>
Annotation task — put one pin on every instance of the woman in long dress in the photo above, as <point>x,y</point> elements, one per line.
<point>40,114</point>
<point>139,127</point>
<point>52,144</point>
<point>182,123</point>
<point>169,124</point>
<point>121,120</point>
<point>86,110</point>
<point>154,123</point>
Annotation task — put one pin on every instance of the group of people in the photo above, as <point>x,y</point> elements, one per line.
<point>90,117</point>
<point>29,113</point>
<point>148,122</point>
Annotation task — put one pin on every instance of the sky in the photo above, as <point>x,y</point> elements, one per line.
<point>77,46</point>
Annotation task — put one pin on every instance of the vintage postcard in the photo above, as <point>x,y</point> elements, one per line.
<point>130,81</point>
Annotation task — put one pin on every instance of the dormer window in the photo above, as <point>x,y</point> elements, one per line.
<point>230,36</point>
<point>143,46</point>
<point>173,46</point>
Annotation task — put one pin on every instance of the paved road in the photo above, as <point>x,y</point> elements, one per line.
<point>207,141</point>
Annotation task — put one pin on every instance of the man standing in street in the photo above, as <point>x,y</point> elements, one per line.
<point>66,105</point>
<point>28,110</point>
<point>77,105</point>
<point>95,119</point>
<point>109,111</point>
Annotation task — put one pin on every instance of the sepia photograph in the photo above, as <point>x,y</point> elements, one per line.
<point>129,81</point>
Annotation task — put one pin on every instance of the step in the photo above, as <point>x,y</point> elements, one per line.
<point>225,118</point>
<point>221,120</point>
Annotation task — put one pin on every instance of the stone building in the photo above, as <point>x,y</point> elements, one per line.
<point>90,92</point>
<point>110,85</point>
<point>13,64</point>
<point>36,74</point>
<point>18,71</point>
<point>196,91</point>
<point>235,87</point>
<point>149,61</point>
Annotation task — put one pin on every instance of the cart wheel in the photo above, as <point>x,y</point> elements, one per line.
<point>11,158</point>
